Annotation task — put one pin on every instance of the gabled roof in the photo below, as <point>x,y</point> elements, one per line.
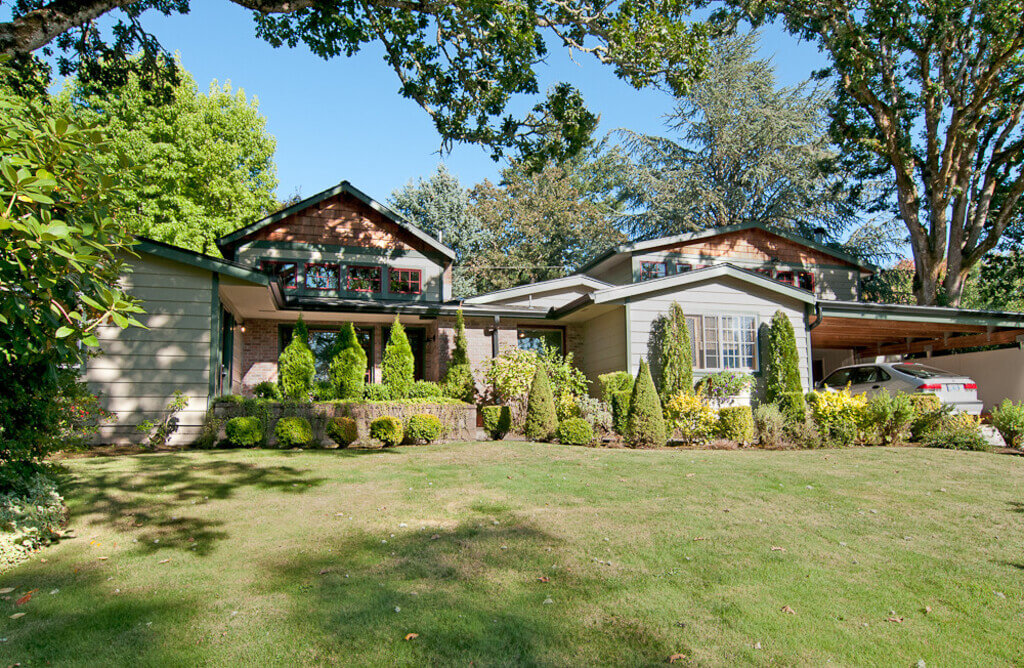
<point>641,246</point>
<point>228,240</point>
<point>576,280</point>
<point>207,262</point>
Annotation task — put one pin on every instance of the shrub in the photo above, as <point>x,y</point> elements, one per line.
<point>838,415</point>
<point>736,423</point>
<point>646,425</point>
<point>458,379</point>
<point>398,364</point>
<point>323,390</point>
<point>620,410</point>
<point>424,389</point>
<point>1008,419</point>
<point>244,432</point>
<point>690,419</point>
<point>377,393</point>
<point>616,381</point>
<point>957,431</point>
<point>597,414</point>
<point>31,516</point>
<point>888,417</point>
<point>804,434</point>
<point>343,431</point>
<point>575,431</point>
<point>497,421</point>
<point>296,366</point>
<point>781,362</point>
<point>719,387</point>
<point>566,407</point>
<point>676,354</point>
<point>793,406</point>
<point>770,425</point>
<point>541,420</point>
<point>348,366</point>
<point>161,429</point>
<point>267,390</point>
<point>511,375</point>
<point>388,430</point>
<point>293,432</point>
<point>928,412</point>
<point>423,427</point>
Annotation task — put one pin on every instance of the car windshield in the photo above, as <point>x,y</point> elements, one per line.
<point>921,371</point>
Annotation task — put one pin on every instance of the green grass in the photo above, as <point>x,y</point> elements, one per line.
<point>284,558</point>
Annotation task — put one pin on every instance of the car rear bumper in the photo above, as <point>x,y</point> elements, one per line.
<point>969,407</point>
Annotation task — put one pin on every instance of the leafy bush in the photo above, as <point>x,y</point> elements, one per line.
<point>736,423</point>
<point>804,434</point>
<point>575,431</point>
<point>293,432</point>
<point>1008,419</point>
<point>793,406</point>
<point>676,357</point>
<point>646,425</point>
<point>541,419</point>
<point>323,390</point>
<point>690,419</point>
<point>388,430</point>
<point>620,410</point>
<point>566,406</point>
<point>423,427</point>
<point>424,389</point>
<point>458,379</point>
<point>497,421</point>
<point>721,386</point>
<point>267,390</point>
<point>616,381</point>
<point>511,375</point>
<point>928,412</point>
<point>244,432</point>
<point>343,431</point>
<point>296,366</point>
<point>398,365</point>
<point>838,415</point>
<point>597,414</point>
<point>377,393</point>
<point>348,367</point>
<point>30,517</point>
<point>957,431</point>
<point>769,425</point>
<point>781,362</point>
<point>161,429</point>
<point>80,413</point>
<point>888,417</point>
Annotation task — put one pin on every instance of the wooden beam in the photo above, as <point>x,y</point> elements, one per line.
<point>954,342</point>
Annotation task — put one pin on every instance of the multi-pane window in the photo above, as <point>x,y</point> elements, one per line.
<point>723,341</point>
<point>287,272</point>
<point>679,267</point>
<point>805,280</point>
<point>537,339</point>
<point>364,279</point>
<point>405,281</point>
<point>321,276</point>
<point>650,270</point>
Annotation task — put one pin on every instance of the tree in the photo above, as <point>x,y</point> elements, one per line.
<point>440,206</point>
<point>782,361</point>
<point>929,95</point>
<point>748,152</point>
<point>296,366</point>
<point>646,423</point>
<point>62,254</point>
<point>458,379</point>
<point>462,62</point>
<point>541,418</point>
<point>398,365</point>
<point>676,355</point>
<point>202,164</point>
<point>348,365</point>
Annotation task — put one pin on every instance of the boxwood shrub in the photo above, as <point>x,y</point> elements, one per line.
<point>423,427</point>
<point>343,431</point>
<point>244,432</point>
<point>377,393</point>
<point>616,381</point>
<point>575,431</point>
<point>497,421</point>
<point>293,432</point>
<point>736,423</point>
<point>388,430</point>
<point>424,389</point>
<point>620,410</point>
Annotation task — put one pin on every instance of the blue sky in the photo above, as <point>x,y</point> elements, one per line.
<point>343,119</point>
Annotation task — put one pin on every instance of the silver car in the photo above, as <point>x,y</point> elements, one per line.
<point>958,391</point>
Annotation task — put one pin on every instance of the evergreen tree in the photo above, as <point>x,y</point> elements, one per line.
<point>398,366</point>
<point>782,363</point>
<point>458,380</point>
<point>646,426</point>
<point>541,418</point>
<point>296,366</point>
<point>676,355</point>
<point>348,366</point>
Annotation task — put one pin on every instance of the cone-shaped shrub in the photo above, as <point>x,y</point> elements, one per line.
<point>782,368</point>
<point>296,366</point>
<point>497,421</point>
<point>348,368</point>
<point>646,425</point>
<point>541,419</point>
<point>676,355</point>
<point>398,365</point>
<point>458,380</point>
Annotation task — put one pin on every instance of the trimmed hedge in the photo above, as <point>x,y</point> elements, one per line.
<point>244,432</point>
<point>423,427</point>
<point>424,389</point>
<point>646,426</point>
<point>497,421</point>
<point>620,410</point>
<point>575,431</point>
<point>736,423</point>
<point>614,382</point>
<point>541,418</point>
<point>293,432</point>
<point>377,393</point>
<point>388,430</point>
<point>343,431</point>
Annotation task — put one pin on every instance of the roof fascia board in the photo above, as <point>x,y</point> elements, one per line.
<point>199,260</point>
<point>915,313</point>
<point>714,271</point>
<point>542,286</point>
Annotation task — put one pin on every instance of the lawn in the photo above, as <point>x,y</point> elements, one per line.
<point>512,553</point>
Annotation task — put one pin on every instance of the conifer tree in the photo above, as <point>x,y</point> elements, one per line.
<point>348,367</point>
<point>676,355</point>
<point>646,426</point>
<point>398,366</point>
<point>541,418</point>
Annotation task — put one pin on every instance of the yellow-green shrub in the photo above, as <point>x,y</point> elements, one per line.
<point>839,415</point>
<point>690,419</point>
<point>736,423</point>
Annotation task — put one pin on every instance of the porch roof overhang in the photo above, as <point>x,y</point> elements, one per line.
<point>897,329</point>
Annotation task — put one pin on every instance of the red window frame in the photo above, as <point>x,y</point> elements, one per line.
<point>375,282</point>
<point>271,266</point>
<point>787,277</point>
<point>412,278</point>
<point>680,267</point>
<point>327,265</point>
<point>809,275</point>
<point>645,264</point>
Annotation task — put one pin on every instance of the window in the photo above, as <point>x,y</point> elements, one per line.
<point>679,267</point>
<point>723,342</point>
<point>649,270</point>
<point>805,280</point>
<point>286,272</point>
<point>785,277</point>
<point>537,339</point>
<point>364,279</point>
<point>405,281</point>
<point>321,276</point>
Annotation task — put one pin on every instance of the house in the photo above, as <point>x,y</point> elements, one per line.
<point>216,326</point>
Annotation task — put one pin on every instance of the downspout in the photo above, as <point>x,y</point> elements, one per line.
<point>817,317</point>
<point>494,337</point>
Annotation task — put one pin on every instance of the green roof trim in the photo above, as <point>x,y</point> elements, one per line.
<point>916,313</point>
<point>228,240</point>
<point>207,262</point>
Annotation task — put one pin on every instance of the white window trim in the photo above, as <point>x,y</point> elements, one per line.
<point>702,351</point>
